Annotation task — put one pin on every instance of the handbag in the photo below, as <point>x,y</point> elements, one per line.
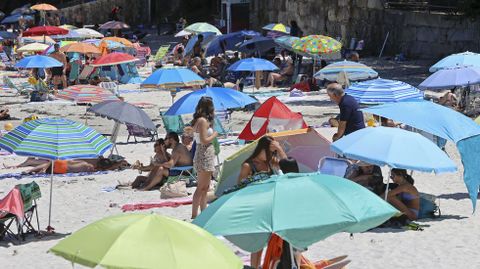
<point>173,190</point>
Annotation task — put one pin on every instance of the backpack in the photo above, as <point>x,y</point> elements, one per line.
<point>428,206</point>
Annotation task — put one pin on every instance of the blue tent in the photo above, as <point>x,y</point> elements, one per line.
<point>446,123</point>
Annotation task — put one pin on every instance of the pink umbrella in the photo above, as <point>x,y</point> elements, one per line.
<point>114,25</point>
<point>86,94</point>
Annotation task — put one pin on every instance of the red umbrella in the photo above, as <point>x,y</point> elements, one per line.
<point>45,30</point>
<point>114,58</point>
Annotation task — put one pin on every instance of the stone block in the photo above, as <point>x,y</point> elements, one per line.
<point>459,34</point>
<point>374,4</point>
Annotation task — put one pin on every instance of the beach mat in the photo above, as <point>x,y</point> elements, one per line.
<point>166,203</point>
<point>42,175</point>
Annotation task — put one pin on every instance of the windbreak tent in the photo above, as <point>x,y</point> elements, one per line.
<point>306,146</point>
<point>271,116</point>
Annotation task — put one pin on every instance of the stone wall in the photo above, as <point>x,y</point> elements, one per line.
<point>417,34</point>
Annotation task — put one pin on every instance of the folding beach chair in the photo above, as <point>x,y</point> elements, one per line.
<point>9,64</point>
<point>173,123</point>
<point>112,86</point>
<point>30,193</point>
<point>187,170</point>
<point>24,88</point>
<point>86,74</point>
<point>137,131</point>
<point>333,166</point>
<point>161,53</point>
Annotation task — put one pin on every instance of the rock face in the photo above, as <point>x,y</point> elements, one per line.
<point>416,34</point>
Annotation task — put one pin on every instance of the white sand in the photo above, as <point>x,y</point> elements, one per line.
<point>448,242</point>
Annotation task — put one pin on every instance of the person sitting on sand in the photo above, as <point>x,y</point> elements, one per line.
<point>367,175</point>
<point>197,67</point>
<point>285,74</point>
<point>405,196</point>
<point>4,114</point>
<point>449,99</point>
<point>78,166</point>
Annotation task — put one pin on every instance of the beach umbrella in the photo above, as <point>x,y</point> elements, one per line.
<point>119,40</point>
<point>38,61</point>
<point>316,45</point>
<point>182,33</point>
<point>379,91</point>
<point>87,33</point>
<point>7,35</point>
<point>43,7</point>
<point>252,65</point>
<point>286,41</point>
<point>80,47</point>
<point>460,76</point>
<point>355,71</point>
<point>300,208</point>
<point>33,47</point>
<point>223,99</point>
<point>222,43</point>
<point>114,25</point>
<point>145,241</point>
<point>25,9</point>
<point>201,27</point>
<point>459,59</point>
<point>40,39</point>
<point>87,94</point>
<point>70,35</point>
<point>15,18</point>
<point>54,139</point>
<point>45,30</point>
<point>207,37</point>
<point>258,44</point>
<point>278,27</point>
<point>114,58</point>
<point>394,147</point>
<point>109,43</point>
<point>68,27</point>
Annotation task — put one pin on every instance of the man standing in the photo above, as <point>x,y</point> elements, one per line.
<point>59,72</point>
<point>351,118</point>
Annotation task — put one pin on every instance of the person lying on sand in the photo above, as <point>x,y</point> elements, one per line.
<point>29,162</point>
<point>78,166</point>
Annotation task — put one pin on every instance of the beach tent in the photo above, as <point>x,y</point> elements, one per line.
<point>271,116</point>
<point>305,145</point>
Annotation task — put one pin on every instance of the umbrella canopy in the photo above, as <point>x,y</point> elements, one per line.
<point>223,99</point>
<point>7,35</point>
<point>252,64</point>
<point>80,47</point>
<point>114,25</point>
<point>15,18</point>
<point>145,241</point>
<point>201,27</point>
<point>45,30</point>
<point>87,33</point>
<point>173,78</point>
<point>124,113</point>
<point>182,33</point>
<point>119,40</point>
<point>300,208</point>
<point>85,94</point>
<point>279,27</point>
<point>43,7</point>
<point>452,77</point>
<point>257,44</point>
<point>355,71</point>
<point>33,47</point>
<point>286,41</point>
<point>25,9</point>
<point>68,27</point>
<point>110,44</point>
<point>38,61</point>
<point>380,91</point>
<point>459,59</point>
<point>222,43</point>
<point>317,44</point>
<point>39,39</point>
<point>396,148</point>
<point>114,59</point>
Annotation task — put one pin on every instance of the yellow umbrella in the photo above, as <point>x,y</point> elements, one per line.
<point>68,27</point>
<point>120,40</point>
<point>33,47</point>
<point>43,7</point>
<point>279,27</point>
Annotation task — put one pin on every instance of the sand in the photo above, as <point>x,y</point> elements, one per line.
<point>446,242</point>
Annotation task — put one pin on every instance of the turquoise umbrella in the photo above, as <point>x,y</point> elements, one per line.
<point>300,208</point>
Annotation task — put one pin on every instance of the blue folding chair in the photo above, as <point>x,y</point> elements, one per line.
<point>333,166</point>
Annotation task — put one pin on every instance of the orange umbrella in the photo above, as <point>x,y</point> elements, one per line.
<point>43,7</point>
<point>84,48</point>
<point>120,40</point>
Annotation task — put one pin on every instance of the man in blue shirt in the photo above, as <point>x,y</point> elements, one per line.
<point>351,118</point>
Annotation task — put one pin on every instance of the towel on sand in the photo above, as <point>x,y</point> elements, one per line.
<point>20,175</point>
<point>166,203</point>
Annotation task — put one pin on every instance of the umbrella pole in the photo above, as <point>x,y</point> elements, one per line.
<point>115,130</point>
<point>50,229</point>
<point>388,183</point>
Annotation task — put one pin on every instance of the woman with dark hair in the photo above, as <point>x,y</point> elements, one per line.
<point>405,196</point>
<point>204,159</point>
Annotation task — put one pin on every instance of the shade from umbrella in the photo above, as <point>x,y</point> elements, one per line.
<point>223,99</point>
<point>80,47</point>
<point>38,61</point>
<point>201,27</point>
<point>380,91</point>
<point>45,30</point>
<point>114,59</point>
<point>253,64</point>
<point>459,59</point>
<point>87,33</point>
<point>114,25</point>
<point>145,241</point>
<point>87,94</point>
<point>119,40</point>
<point>124,113</point>
<point>43,7</point>
<point>278,27</point>
<point>39,39</point>
<point>33,47</point>
<point>169,78</point>
<point>355,71</point>
<point>452,77</point>
<point>257,44</point>
<point>300,208</point>
<point>317,44</point>
<point>396,148</point>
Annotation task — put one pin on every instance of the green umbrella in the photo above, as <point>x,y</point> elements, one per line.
<point>300,208</point>
<point>145,241</point>
<point>201,27</point>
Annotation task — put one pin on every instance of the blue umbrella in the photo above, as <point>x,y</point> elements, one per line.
<point>257,44</point>
<point>38,61</point>
<point>168,78</point>
<point>286,41</point>
<point>207,37</point>
<point>459,59</point>
<point>379,91</point>
<point>355,71</point>
<point>227,42</point>
<point>7,35</point>
<point>110,43</point>
<point>15,18</point>
<point>223,99</point>
<point>394,147</point>
<point>253,64</point>
<point>452,77</point>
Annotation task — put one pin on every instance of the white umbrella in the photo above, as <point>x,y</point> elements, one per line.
<point>88,33</point>
<point>183,33</point>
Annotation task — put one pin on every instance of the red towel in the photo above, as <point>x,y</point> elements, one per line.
<point>167,203</point>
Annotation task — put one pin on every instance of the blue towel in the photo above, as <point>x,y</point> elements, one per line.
<point>469,149</point>
<point>108,189</point>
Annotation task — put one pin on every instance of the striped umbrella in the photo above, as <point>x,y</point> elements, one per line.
<point>379,91</point>
<point>317,44</point>
<point>87,94</point>
<point>54,139</point>
<point>355,71</point>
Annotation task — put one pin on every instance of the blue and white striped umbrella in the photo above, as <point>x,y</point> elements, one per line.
<point>380,91</point>
<point>355,71</point>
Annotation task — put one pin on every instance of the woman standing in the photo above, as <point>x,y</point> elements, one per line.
<point>204,159</point>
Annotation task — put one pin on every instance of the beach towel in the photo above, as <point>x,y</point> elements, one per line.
<point>166,203</point>
<point>23,175</point>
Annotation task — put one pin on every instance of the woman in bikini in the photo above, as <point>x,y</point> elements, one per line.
<point>78,166</point>
<point>405,196</point>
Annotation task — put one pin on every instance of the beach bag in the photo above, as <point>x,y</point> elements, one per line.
<point>174,190</point>
<point>37,96</point>
<point>428,206</point>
